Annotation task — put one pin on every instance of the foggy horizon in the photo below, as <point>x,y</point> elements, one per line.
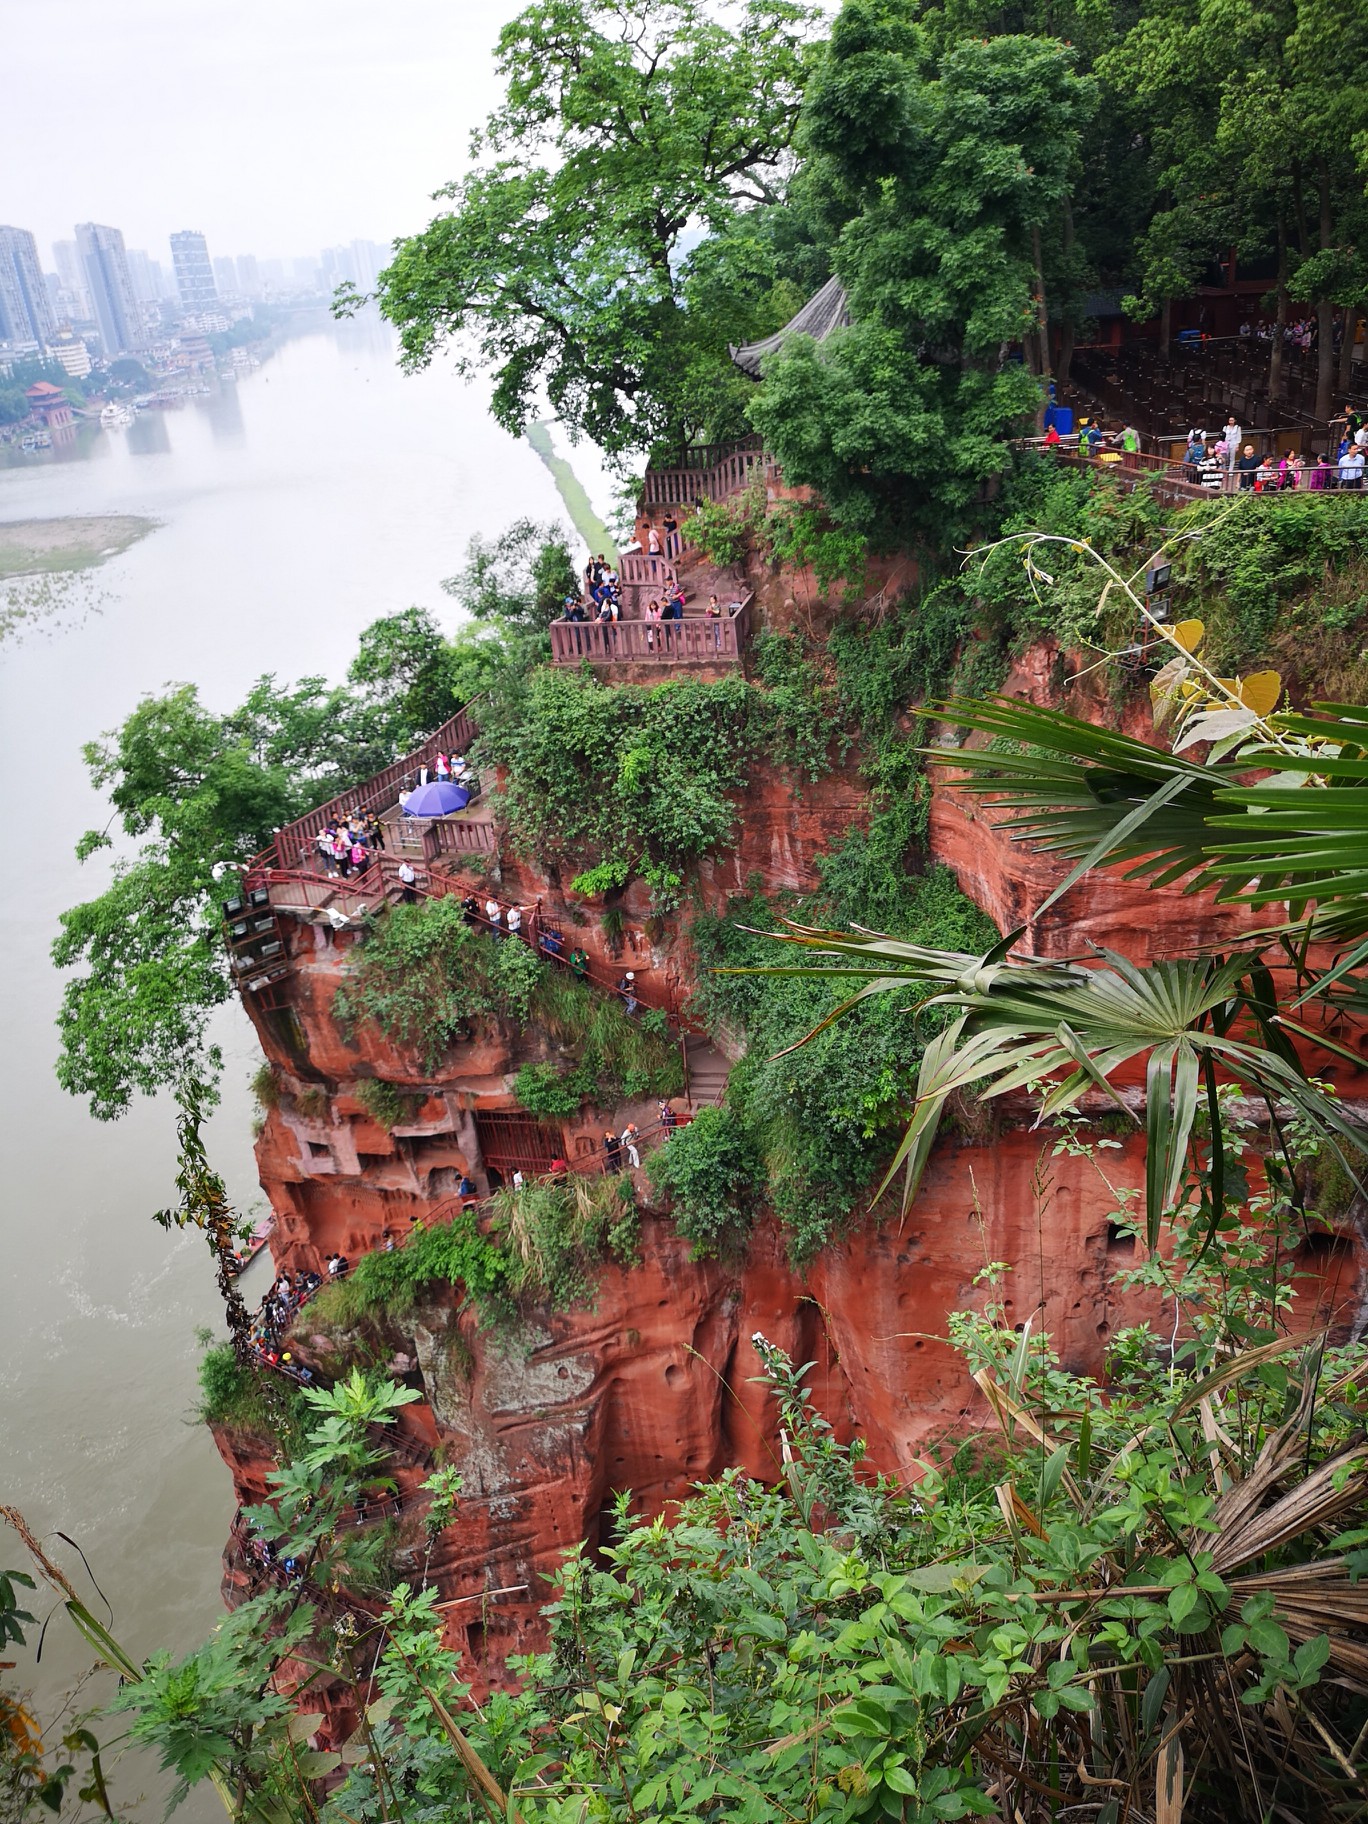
<point>291,129</point>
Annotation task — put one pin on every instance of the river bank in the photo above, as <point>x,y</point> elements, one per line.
<point>38,547</point>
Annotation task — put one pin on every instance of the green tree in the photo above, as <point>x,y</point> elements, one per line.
<point>713,1177</point>
<point>200,794</point>
<point>557,265</point>
<point>518,580</point>
<point>423,974</point>
<point>1253,135</point>
<point>946,168</point>
<point>405,665</point>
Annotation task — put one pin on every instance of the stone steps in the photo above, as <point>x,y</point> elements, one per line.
<point>708,1073</point>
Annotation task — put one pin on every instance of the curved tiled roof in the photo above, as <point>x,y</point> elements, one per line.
<point>829,309</point>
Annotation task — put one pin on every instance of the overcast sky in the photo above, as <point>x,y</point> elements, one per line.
<point>275,126</point>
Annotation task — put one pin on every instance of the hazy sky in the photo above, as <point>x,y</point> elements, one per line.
<point>275,126</point>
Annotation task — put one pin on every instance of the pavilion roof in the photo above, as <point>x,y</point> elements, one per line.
<point>827,310</point>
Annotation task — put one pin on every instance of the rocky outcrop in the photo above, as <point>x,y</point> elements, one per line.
<point>652,1385</point>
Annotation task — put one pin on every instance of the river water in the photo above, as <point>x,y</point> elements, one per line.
<point>319,491</point>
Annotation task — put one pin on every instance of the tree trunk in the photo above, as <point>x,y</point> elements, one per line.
<point>1299,205</point>
<point>1325,310</point>
<point>1067,330</point>
<point>1066,348</point>
<point>1346,360</point>
<point>1275,358</point>
<point>1042,315</point>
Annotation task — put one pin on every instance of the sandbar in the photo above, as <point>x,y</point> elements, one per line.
<point>36,547</point>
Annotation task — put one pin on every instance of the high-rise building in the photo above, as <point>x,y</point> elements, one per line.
<point>146,276</point>
<point>194,272</point>
<point>369,259</point>
<point>67,259</point>
<point>248,275</point>
<point>225,275</point>
<point>104,260</point>
<point>25,310</point>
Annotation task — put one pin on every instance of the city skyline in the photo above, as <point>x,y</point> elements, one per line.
<point>97,279</point>
<point>259,160</point>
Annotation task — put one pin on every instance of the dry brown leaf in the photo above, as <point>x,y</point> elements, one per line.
<point>1168,1782</point>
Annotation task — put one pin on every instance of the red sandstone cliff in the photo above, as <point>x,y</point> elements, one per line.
<point>652,1387</point>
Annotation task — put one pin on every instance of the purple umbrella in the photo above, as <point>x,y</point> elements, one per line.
<point>437,800</point>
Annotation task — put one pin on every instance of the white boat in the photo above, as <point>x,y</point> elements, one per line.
<point>116,415</point>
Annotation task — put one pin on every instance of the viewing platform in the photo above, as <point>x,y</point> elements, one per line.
<point>294,847</point>
<point>696,640</point>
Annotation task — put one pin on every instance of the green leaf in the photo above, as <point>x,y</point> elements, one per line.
<point>1181,1602</point>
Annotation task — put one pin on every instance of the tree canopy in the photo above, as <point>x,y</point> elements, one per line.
<point>199,793</point>
<point>560,264</point>
<point>663,181</point>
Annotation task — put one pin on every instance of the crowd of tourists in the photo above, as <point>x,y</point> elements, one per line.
<point>1228,462</point>
<point>286,1297</point>
<point>602,602</point>
<point>348,845</point>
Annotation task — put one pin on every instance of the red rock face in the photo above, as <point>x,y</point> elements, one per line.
<point>653,1386</point>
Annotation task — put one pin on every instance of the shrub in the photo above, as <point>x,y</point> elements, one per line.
<point>555,1232</point>
<point>423,974</point>
<point>386,1103</point>
<point>389,1287</point>
<point>544,1090</point>
<point>542,1242</point>
<point>236,1396</point>
<point>713,1176</point>
<point>266,1086</point>
<point>312,1103</point>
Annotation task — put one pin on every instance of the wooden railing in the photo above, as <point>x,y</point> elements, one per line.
<point>643,569</point>
<point>293,844</point>
<point>698,640</point>
<point>705,472</point>
<point>1127,465</point>
<point>707,455</point>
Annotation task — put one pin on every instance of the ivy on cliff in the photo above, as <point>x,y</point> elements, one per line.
<point>423,974</point>
<point>821,1118</point>
<point>641,780</point>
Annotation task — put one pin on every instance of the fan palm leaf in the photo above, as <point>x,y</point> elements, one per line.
<point>1093,796</point>
<point>1016,1025</point>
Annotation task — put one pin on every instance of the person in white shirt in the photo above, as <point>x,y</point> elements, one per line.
<point>1351,467</point>
<point>494,915</point>
<point>515,919</point>
<point>1231,436</point>
<point>407,878</point>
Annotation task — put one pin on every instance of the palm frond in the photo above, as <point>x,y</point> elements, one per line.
<point>1094,797</point>
<point>1069,1029</point>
